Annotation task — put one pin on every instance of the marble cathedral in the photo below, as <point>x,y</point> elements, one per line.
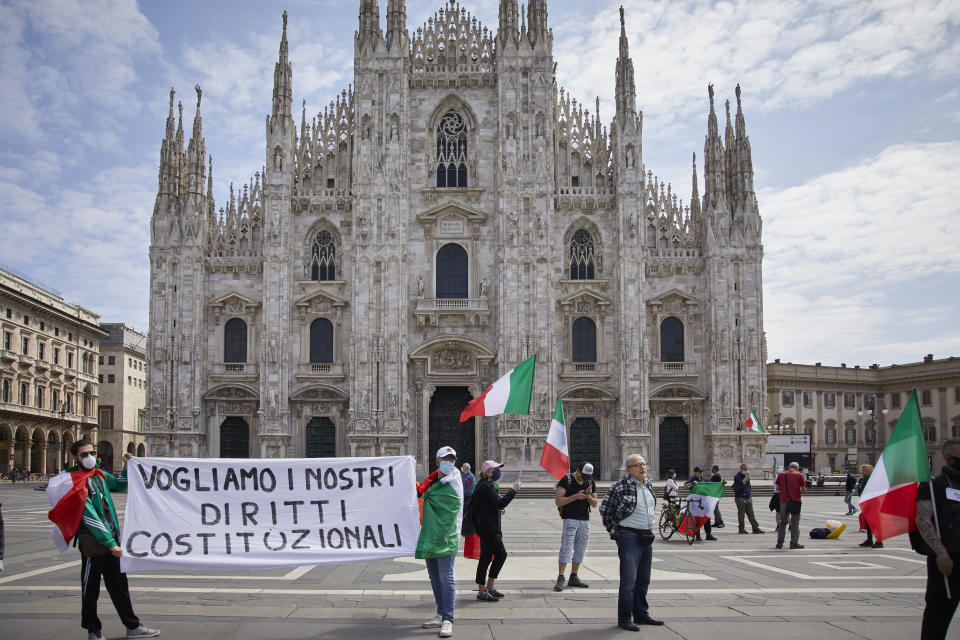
<point>451,213</point>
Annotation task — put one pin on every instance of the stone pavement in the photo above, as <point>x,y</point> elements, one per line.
<point>738,587</point>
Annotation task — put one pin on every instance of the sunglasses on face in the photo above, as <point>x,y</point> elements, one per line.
<point>86,453</point>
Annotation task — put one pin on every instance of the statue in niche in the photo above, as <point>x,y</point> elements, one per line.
<point>420,286</point>
<point>273,348</point>
<point>394,129</point>
<point>185,396</point>
<point>636,403</point>
<point>483,288</point>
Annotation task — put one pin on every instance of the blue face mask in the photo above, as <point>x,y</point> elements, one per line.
<point>495,475</point>
<point>446,467</point>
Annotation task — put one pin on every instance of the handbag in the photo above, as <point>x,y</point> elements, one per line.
<point>774,502</point>
<point>646,538</point>
<point>89,546</point>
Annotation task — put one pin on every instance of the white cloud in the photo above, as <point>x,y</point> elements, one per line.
<point>842,247</point>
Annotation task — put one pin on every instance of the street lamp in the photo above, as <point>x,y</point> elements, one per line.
<point>62,412</point>
<point>871,403</point>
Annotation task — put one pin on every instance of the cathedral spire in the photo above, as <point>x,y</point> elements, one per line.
<point>397,25</point>
<point>509,30</point>
<point>369,33</point>
<point>695,193</point>
<point>166,176</point>
<point>180,157</point>
<point>626,92</point>
<point>744,156</point>
<point>283,78</point>
<point>714,182</point>
<point>730,158</point>
<point>196,152</point>
<point>537,21</point>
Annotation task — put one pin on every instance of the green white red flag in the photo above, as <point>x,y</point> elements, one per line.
<point>509,394</point>
<point>556,454</point>
<point>703,500</point>
<point>753,423</point>
<point>889,500</point>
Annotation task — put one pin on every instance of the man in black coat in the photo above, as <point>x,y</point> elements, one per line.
<point>848,493</point>
<point>485,508</point>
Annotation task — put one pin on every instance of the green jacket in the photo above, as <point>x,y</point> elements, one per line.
<point>98,492</point>
<point>862,484</point>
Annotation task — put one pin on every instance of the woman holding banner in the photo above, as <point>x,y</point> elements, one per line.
<point>442,494</point>
<point>485,511</point>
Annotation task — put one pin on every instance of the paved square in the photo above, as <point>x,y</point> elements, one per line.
<point>739,587</point>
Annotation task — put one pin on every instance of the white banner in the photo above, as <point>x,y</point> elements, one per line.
<point>234,514</point>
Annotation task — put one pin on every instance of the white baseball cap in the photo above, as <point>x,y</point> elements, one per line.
<point>587,469</point>
<point>443,452</point>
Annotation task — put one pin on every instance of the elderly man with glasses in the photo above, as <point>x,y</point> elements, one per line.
<point>628,513</point>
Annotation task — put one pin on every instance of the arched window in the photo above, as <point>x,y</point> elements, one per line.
<point>6,391</point>
<point>235,341</point>
<point>323,257</point>
<point>671,340</point>
<point>23,393</point>
<point>452,151</point>
<point>581,256</point>
<point>452,272</point>
<point>321,341</point>
<point>584,340</point>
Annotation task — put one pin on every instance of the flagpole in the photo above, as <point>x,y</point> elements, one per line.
<point>936,523</point>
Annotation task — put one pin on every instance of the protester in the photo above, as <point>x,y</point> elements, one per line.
<point>792,486</point>
<point>848,493</point>
<point>775,499</point>
<point>469,482</point>
<point>717,518</point>
<point>98,539</point>
<point>628,514</point>
<point>671,491</point>
<point>866,470</point>
<point>742,497</point>
<point>486,510</point>
<point>439,535</point>
<point>13,476</point>
<point>944,542</point>
<point>695,479</point>
<point>576,494</point>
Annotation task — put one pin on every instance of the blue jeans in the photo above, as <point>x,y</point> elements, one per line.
<point>573,542</point>
<point>635,561</point>
<point>440,571</point>
<point>848,498</point>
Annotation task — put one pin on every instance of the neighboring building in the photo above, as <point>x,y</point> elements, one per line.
<point>450,215</point>
<point>123,394</point>
<point>48,375</point>
<point>849,412</point>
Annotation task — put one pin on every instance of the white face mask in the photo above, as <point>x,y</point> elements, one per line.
<point>88,462</point>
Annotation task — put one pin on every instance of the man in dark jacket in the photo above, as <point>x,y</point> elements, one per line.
<point>628,513</point>
<point>717,518</point>
<point>485,507</point>
<point>944,541</point>
<point>848,493</point>
<point>100,549</point>
<point>743,498</point>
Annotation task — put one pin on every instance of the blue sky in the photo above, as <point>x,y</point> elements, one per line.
<point>853,111</point>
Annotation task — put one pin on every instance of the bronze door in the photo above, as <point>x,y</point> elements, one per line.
<point>585,444</point>
<point>446,429</point>
<point>675,448</point>
<point>234,438</point>
<point>321,439</point>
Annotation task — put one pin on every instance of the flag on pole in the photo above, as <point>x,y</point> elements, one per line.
<point>753,423</point>
<point>889,501</point>
<point>509,394</point>
<point>556,454</point>
<point>703,500</point>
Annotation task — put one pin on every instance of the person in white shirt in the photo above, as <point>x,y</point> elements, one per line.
<point>672,490</point>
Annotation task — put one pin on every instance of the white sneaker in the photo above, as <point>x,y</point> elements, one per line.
<point>446,629</point>
<point>142,632</point>
<point>433,622</point>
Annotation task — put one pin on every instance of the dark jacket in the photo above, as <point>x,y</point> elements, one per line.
<point>485,506</point>
<point>851,483</point>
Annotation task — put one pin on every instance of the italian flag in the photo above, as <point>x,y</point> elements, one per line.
<point>67,493</point>
<point>509,394</point>
<point>889,501</point>
<point>441,518</point>
<point>556,454</point>
<point>753,423</point>
<point>703,500</point>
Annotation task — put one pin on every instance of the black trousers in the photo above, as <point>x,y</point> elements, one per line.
<point>109,567</point>
<point>490,547</point>
<point>939,610</point>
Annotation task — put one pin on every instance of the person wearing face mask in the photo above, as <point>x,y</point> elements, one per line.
<point>99,543</point>
<point>442,493</point>
<point>576,494</point>
<point>943,542</point>
<point>485,510</point>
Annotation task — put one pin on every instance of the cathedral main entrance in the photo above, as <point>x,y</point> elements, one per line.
<point>446,429</point>
<point>321,439</point>
<point>234,438</point>
<point>675,448</point>
<point>585,444</point>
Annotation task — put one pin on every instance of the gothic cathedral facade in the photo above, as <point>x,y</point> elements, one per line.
<point>449,215</point>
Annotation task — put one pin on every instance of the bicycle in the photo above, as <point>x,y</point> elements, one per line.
<point>671,521</point>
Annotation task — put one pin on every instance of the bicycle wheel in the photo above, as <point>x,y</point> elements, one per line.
<point>688,530</point>
<point>666,524</point>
